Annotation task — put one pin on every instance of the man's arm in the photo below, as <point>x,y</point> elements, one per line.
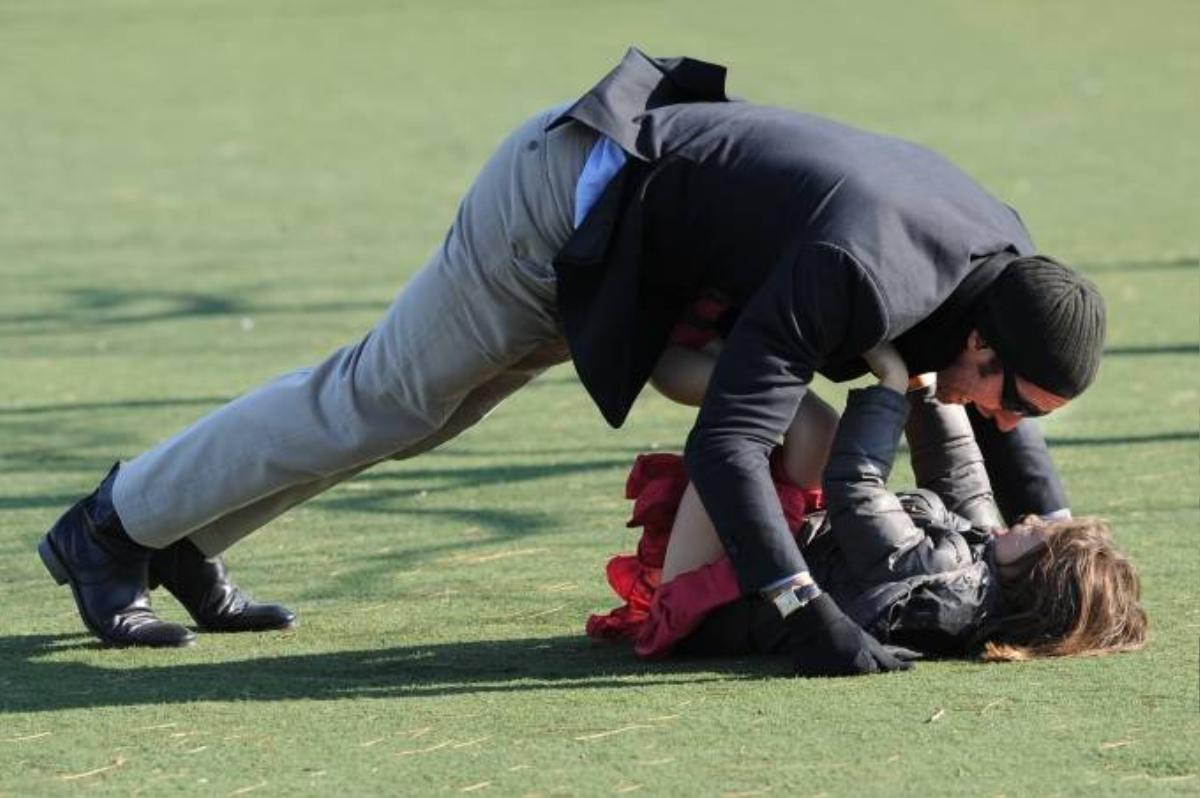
<point>1023,476</point>
<point>811,310</point>
<point>818,307</point>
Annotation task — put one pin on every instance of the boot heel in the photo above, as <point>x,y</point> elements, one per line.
<point>51,561</point>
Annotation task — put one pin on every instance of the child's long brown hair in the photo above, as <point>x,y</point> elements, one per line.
<point>1079,597</point>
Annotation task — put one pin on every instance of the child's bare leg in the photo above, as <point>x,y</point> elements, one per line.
<point>682,374</point>
<point>807,441</point>
<point>694,540</point>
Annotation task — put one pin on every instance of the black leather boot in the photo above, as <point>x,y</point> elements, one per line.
<point>202,586</point>
<point>88,548</point>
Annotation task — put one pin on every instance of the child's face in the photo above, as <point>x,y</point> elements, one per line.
<point>1012,544</point>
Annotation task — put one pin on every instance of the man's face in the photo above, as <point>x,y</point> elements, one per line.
<point>977,377</point>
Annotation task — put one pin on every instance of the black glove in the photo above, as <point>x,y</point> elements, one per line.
<point>823,641</point>
<point>926,509</point>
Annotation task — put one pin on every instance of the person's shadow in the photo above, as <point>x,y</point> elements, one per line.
<point>34,680</point>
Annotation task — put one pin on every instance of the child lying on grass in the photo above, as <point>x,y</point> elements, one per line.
<point>934,570</point>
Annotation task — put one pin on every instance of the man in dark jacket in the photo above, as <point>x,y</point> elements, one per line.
<point>822,240</point>
<point>829,241</point>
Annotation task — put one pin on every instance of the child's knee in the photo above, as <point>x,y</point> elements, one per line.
<point>682,374</point>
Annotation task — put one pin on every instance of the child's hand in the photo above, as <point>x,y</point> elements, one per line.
<point>922,381</point>
<point>886,364</point>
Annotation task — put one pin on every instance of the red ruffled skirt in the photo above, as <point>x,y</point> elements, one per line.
<point>656,616</point>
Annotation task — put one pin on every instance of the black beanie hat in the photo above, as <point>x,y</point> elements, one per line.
<point>1046,322</point>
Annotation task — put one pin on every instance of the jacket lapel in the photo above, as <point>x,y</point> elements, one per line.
<point>639,84</point>
<point>614,322</point>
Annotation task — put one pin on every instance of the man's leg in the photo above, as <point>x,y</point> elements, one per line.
<point>192,568</point>
<point>219,535</point>
<point>462,328</point>
<point>475,313</point>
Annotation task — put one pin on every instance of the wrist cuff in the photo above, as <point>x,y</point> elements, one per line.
<point>767,589</point>
<point>788,601</point>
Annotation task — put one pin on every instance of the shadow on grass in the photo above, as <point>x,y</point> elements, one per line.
<point>422,482</point>
<point>1124,440</point>
<point>1155,349</point>
<point>99,308</point>
<point>46,683</point>
<point>125,404</point>
<point>1139,266</point>
<point>402,494</point>
<point>40,501</point>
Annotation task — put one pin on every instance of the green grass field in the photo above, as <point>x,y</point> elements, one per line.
<point>195,196</point>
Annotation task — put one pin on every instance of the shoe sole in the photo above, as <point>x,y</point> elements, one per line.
<point>228,630</point>
<point>62,576</point>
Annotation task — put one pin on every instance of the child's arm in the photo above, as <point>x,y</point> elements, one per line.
<point>876,536</point>
<point>947,460</point>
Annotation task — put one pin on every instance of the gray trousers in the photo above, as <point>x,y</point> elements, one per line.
<point>477,322</point>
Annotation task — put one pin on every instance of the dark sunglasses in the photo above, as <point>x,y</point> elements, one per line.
<point>1013,402</point>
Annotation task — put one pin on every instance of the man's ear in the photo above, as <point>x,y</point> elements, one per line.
<point>975,341</point>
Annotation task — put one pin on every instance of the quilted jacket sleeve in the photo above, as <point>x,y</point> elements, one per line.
<point>946,459</point>
<point>877,537</point>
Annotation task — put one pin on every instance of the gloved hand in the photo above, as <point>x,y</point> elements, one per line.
<point>926,509</point>
<point>823,641</point>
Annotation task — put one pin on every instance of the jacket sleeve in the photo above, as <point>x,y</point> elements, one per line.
<point>879,541</point>
<point>812,309</point>
<point>1023,476</point>
<point>947,460</point>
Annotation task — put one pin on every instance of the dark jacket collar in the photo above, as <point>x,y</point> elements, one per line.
<point>613,344</point>
<point>639,84</point>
